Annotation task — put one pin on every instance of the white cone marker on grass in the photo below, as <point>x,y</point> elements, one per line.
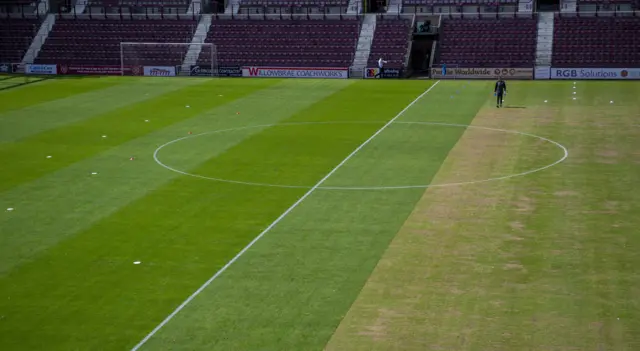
<point>137,262</point>
<point>545,101</point>
<point>104,136</point>
<point>10,209</point>
<point>611,102</point>
<point>94,173</point>
<point>48,156</point>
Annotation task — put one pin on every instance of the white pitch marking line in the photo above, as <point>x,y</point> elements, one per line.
<point>274,223</point>
<point>564,149</point>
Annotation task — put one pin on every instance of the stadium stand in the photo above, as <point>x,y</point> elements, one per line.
<point>596,42</point>
<point>285,43</point>
<point>457,2</point>
<point>16,35</point>
<point>156,6</point>
<point>293,6</point>
<point>97,41</point>
<point>390,42</point>
<point>298,3</point>
<point>504,42</point>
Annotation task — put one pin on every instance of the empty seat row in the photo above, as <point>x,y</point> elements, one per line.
<point>488,42</point>
<point>596,41</point>
<point>98,41</point>
<point>311,43</point>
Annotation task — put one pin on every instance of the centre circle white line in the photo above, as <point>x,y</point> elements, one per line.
<point>392,187</point>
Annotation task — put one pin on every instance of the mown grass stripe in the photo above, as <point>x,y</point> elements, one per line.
<point>26,160</point>
<point>178,230</point>
<point>82,106</point>
<point>48,209</point>
<point>49,90</point>
<point>290,290</point>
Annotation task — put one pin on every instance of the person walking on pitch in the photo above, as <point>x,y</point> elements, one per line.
<point>500,91</point>
<point>381,63</point>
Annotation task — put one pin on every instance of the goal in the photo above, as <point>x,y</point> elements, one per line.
<point>168,59</point>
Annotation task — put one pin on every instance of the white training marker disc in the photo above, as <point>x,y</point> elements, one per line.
<point>545,100</point>
<point>611,102</point>
<point>220,95</point>
<point>574,98</point>
<point>146,120</point>
<point>574,93</point>
<point>48,156</point>
<point>94,173</point>
<point>104,136</point>
<point>188,106</point>
<point>136,262</point>
<point>10,209</point>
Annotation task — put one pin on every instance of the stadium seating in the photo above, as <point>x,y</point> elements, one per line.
<point>488,42</point>
<point>97,42</point>
<point>596,42</point>
<point>178,4</point>
<point>458,2</point>
<point>292,43</point>
<point>390,41</point>
<point>16,35</point>
<point>296,3</point>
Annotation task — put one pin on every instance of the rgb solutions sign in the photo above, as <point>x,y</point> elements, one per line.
<point>595,73</point>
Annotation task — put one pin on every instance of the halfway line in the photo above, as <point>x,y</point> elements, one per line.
<point>274,223</point>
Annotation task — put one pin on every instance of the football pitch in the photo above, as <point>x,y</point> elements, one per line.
<point>266,214</point>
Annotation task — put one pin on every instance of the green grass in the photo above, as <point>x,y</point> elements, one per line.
<point>67,278</point>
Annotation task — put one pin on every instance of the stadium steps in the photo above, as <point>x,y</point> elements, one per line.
<point>363,49</point>
<point>233,6</point>
<point>195,47</point>
<point>544,43</point>
<point>39,39</point>
<point>194,7</point>
<point>42,7</point>
<point>394,7</point>
<point>525,6</point>
<point>354,7</point>
<point>80,6</point>
<point>568,6</point>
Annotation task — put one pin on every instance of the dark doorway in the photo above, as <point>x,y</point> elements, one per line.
<point>421,54</point>
<point>548,5</point>
<point>375,6</point>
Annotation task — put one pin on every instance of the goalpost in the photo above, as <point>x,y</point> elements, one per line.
<point>169,59</point>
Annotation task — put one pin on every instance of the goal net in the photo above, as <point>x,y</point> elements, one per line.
<point>168,59</point>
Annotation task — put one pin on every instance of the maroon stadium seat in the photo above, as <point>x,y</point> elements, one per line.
<point>596,42</point>
<point>488,42</point>
<point>390,41</point>
<point>97,42</point>
<point>16,35</point>
<point>294,43</point>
